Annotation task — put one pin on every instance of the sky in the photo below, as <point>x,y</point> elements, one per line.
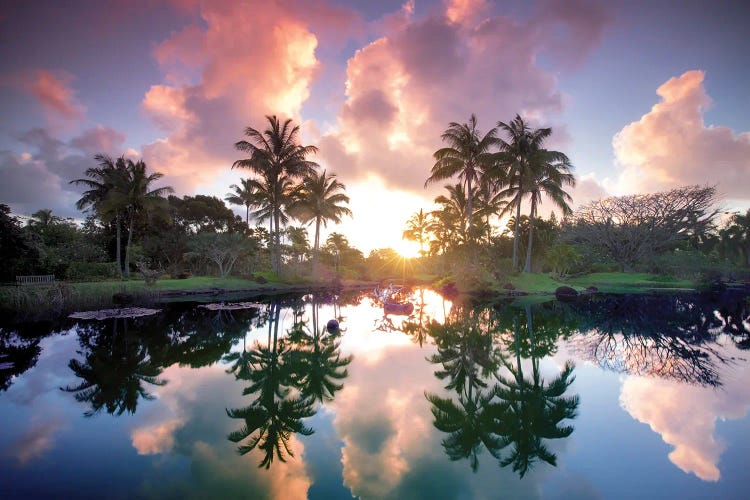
<point>641,95</point>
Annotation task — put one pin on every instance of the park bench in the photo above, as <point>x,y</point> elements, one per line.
<point>46,279</point>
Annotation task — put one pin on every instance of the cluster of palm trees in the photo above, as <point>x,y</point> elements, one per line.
<point>121,191</point>
<point>285,183</point>
<point>496,176</point>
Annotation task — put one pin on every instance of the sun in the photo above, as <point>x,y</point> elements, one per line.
<point>407,249</point>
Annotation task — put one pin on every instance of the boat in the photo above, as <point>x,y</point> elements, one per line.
<point>394,299</point>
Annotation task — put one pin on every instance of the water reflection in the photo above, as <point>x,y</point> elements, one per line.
<point>453,386</point>
<point>19,351</point>
<point>663,336</point>
<point>116,369</point>
<point>491,410</point>
<point>287,377</point>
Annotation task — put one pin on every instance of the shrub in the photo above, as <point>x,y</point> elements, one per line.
<point>92,271</point>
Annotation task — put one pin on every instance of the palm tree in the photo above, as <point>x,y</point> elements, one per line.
<point>452,213</point>
<point>549,171</point>
<point>417,228</point>
<point>100,196</point>
<point>277,158</point>
<point>298,241</point>
<point>468,156</point>
<point>136,195</point>
<point>514,156</point>
<point>336,243</point>
<point>319,199</point>
<point>244,195</point>
<point>43,218</point>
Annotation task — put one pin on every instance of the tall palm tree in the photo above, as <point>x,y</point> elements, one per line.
<point>102,182</point>
<point>514,157</point>
<point>243,195</point>
<point>549,171</point>
<point>277,158</point>
<point>319,200</point>
<point>467,156</point>
<point>417,228</point>
<point>135,193</point>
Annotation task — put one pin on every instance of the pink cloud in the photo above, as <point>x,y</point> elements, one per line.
<point>100,139</point>
<point>234,64</point>
<point>672,146</point>
<point>685,415</point>
<point>404,88</point>
<point>53,92</point>
<point>156,439</point>
<point>36,441</point>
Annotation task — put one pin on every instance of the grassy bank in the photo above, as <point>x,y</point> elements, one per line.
<point>537,283</point>
<point>62,297</point>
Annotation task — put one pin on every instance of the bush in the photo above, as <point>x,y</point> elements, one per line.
<point>681,263</point>
<point>605,267</point>
<point>92,271</point>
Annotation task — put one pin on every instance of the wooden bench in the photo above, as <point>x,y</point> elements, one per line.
<point>46,279</point>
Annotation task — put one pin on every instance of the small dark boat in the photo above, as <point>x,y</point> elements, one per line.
<point>398,308</point>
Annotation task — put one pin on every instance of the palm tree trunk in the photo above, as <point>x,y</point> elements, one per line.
<point>515,229</point>
<point>277,241</point>
<point>469,209</point>
<point>127,247</point>
<point>247,216</point>
<point>118,250</point>
<point>315,249</point>
<point>527,269</point>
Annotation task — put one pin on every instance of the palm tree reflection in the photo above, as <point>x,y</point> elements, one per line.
<point>495,411</point>
<point>287,377</point>
<point>117,364</point>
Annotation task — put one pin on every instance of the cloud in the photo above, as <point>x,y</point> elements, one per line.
<point>190,424</point>
<point>37,440</point>
<point>671,145</point>
<point>52,90</point>
<point>40,177</point>
<point>100,139</point>
<point>155,439</point>
<point>404,88</point>
<point>587,189</point>
<point>236,62</point>
<point>685,416</point>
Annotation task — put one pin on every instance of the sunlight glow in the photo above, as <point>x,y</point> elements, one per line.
<point>407,249</point>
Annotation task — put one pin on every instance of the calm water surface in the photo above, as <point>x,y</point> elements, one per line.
<point>605,397</point>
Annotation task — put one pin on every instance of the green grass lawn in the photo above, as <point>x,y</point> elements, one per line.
<point>629,282</point>
<point>605,282</point>
<point>537,283</point>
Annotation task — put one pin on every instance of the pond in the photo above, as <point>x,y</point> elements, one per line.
<point>602,397</point>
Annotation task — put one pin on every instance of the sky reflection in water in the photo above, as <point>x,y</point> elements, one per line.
<point>402,406</point>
